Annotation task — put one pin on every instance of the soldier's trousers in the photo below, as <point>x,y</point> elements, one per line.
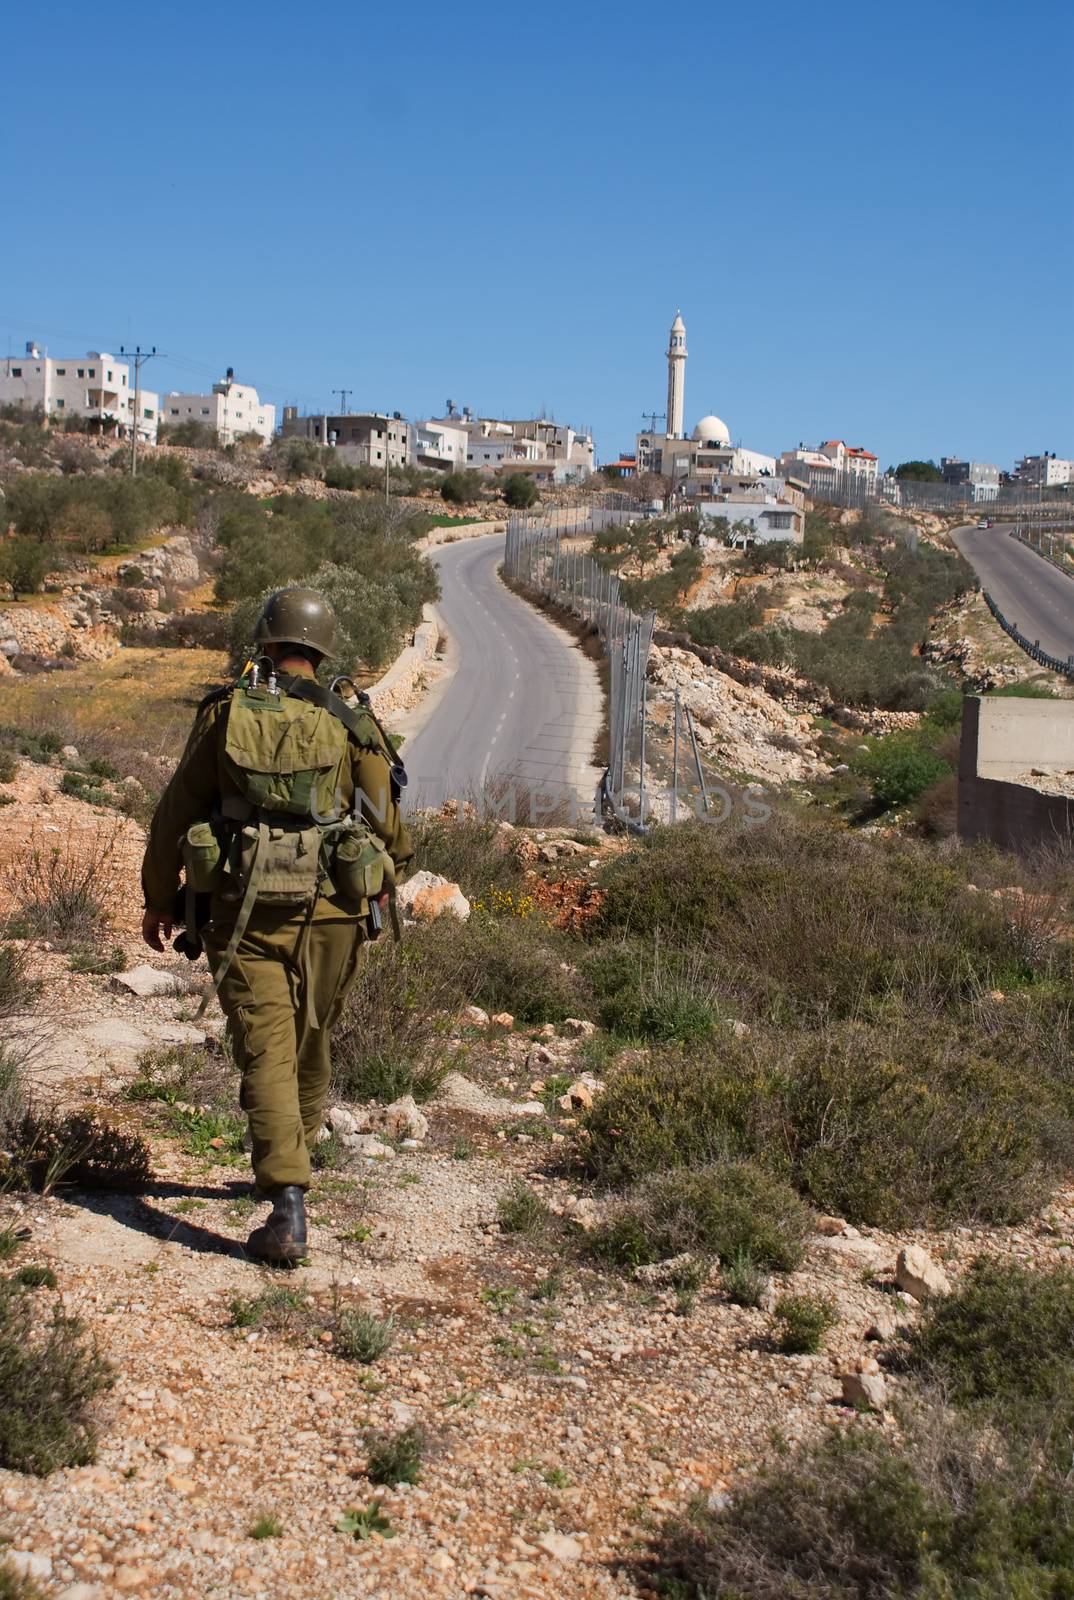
<point>285,1062</point>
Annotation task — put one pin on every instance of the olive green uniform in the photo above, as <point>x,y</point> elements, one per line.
<point>269,996</point>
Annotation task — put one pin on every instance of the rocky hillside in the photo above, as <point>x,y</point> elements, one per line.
<point>516,1356</point>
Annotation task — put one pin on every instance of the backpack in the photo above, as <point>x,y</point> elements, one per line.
<point>280,837</point>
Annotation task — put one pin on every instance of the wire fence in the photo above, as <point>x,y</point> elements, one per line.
<point>539,556</point>
<point>1031,647</point>
<point>855,490</point>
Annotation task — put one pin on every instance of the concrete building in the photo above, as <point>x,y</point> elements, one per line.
<point>550,451</point>
<point>980,477</point>
<point>769,516</point>
<point>1045,471</point>
<point>440,445</point>
<point>362,438</point>
<point>831,465</point>
<point>231,410</point>
<point>95,386</point>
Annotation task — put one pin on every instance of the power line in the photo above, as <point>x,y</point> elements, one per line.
<point>344,395</point>
<point>138,355</point>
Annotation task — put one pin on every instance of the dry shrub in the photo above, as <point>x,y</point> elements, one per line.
<point>48,1148</point>
<point>49,1377</point>
<point>63,893</point>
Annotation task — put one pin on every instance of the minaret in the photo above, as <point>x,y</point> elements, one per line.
<point>676,376</point>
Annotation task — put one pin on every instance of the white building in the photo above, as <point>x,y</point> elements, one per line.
<point>770,518</point>
<point>231,410</point>
<point>677,353</point>
<point>832,464</point>
<point>1046,471</point>
<point>441,445</point>
<point>549,451</point>
<point>980,477</point>
<point>95,386</point>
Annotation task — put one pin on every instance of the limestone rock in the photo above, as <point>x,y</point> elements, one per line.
<point>502,1019</point>
<point>426,895</point>
<point>577,1028</point>
<point>579,1097</point>
<point>145,981</point>
<point>180,1455</point>
<point>584,1213</point>
<point>369,1146</point>
<point>917,1274</point>
<point>560,1546</point>
<point>658,1274</point>
<point>864,1385</point>
<point>347,1121</point>
<point>402,1120</point>
<point>475,1017</point>
<point>29,1564</point>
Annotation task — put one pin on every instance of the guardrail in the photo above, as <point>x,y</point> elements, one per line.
<point>1031,647</point>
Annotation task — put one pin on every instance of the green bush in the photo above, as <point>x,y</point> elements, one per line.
<point>900,767</point>
<point>474,852</point>
<point>948,1511</point>
<point>1006,1335</point>
<point>889,1125</point>
<point>49,1377</point>
<point>461,488</point>
<point>520,493</point>
<point>804,920</point>
<point>742,1280</point>
<point>648,995</point>
<point>802,1320</point>
<point>728,1209</point>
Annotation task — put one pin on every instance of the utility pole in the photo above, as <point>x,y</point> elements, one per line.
<point>137,355</point>
<point>344,396</point>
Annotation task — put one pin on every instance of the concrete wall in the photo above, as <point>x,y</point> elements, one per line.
<point>1004,740</point>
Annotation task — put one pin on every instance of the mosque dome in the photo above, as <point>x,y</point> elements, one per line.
<point>711,430</point>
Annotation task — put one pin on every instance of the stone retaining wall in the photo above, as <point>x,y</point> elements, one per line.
<point>405,680</point>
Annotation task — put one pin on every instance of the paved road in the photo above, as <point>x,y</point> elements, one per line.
<point>521,700</point>
<point>1028,590</point>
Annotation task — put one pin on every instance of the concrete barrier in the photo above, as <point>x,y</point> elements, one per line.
<point>1016,772</point>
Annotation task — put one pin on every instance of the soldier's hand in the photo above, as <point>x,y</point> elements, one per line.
<point>156,927</point>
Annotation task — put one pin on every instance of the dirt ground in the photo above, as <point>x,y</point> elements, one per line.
<point>567,1411</point>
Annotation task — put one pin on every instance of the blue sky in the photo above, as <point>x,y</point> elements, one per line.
<point>863,211</point>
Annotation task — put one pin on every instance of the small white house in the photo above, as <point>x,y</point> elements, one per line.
<point>231,410</point>
<point>770,520</point>
<point>95,386</point>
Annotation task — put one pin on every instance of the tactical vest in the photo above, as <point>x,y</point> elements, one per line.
<point>280,837</point>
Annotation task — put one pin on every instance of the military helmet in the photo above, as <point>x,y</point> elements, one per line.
<point>297,616</point>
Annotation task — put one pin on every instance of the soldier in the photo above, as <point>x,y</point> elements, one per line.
<point>285,808</point>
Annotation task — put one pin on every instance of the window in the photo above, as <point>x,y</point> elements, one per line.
<point>148,413</point>
<point>81,372</point>
<point>61,372</point>
<point>93,372</point>
<point>174,411</point>
<point>205,411</point>
<point>60,404</point>
<point>16,372</point>
<point>108,379</point>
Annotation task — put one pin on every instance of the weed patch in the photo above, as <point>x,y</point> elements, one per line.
<point>520,1209</point>
<point>727,1209</point>
<point>802,1320</point>
<point>63,894</point>
<point>360,1336</point>
<point>49,1376</point>
<point>395,1458</point>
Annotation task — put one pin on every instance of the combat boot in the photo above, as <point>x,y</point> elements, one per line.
<point>281,1238</point>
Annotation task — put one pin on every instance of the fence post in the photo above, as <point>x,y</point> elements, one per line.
<point>675,764</point>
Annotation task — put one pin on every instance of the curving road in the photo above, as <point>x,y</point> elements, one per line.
<point>520,699</point>
<point>1028,590</point>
